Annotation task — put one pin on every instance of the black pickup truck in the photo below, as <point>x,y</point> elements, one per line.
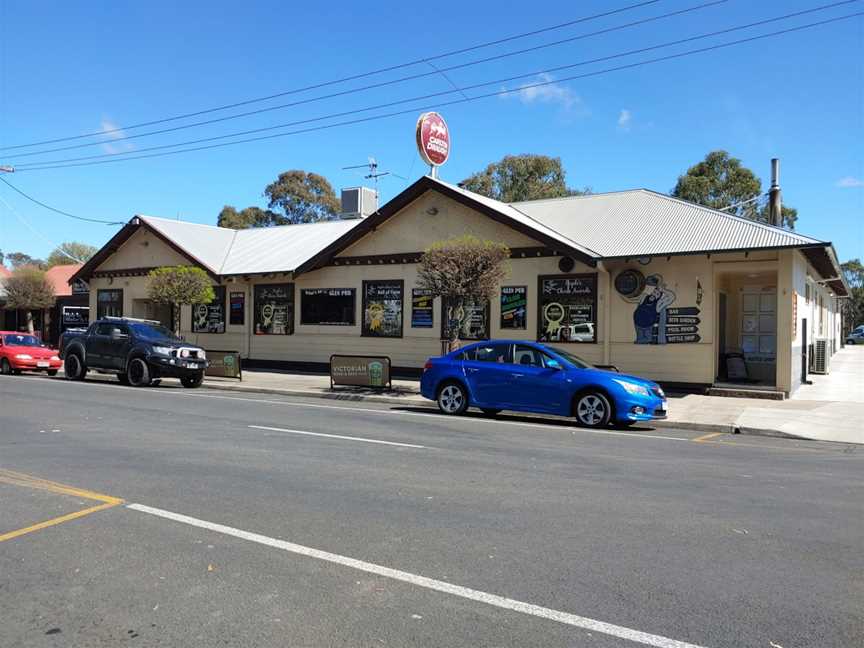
<point>140,352</point>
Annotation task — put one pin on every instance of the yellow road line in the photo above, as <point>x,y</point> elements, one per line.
<point>28,481</point>
<point>705,437</point>
<point>57,520</point>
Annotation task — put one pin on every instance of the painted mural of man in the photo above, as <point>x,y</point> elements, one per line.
<point>651,311</point>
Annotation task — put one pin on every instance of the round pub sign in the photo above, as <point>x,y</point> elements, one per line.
<point>433,138</point>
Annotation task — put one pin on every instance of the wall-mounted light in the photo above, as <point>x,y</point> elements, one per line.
<point>432,211</point>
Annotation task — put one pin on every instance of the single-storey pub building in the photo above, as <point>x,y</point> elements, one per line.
<point>654,285</point>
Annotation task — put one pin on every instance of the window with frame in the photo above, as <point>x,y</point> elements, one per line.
<point>474,318</point>
<point>382,308</point>
<point>567,308</point>
<point>109,302</point>
<point>328,306</point>
<point>527,356</point>
<point>210,318</point>
<point>274,309</point>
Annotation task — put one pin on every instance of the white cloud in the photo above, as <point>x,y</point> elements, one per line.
<point>548,92</point>
<point>850,182</point>
<point>625,119</point>
<point>114,132</point>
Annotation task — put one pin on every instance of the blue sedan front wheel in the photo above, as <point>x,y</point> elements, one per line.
<point>592,409</point>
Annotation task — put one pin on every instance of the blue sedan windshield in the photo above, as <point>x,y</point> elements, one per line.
<point>572,359</point>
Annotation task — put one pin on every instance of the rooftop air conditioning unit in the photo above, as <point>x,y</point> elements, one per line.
<point>358,202</point>
<point>821,356</point>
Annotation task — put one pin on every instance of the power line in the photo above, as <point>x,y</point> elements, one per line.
<point>390,104</point>
<point>54,209</point>
<point>462,101</point>
<point>381,84</point>
<point>354,77</point>
<point>23,221</point>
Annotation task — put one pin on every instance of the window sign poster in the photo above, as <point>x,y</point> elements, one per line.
<point>210,318</point>
<point>236,308</point>
<point>382,308</point>
<point>474,318</point>
<point>567,308</point>
<point>274,309</point>
<point>514,303</point>
<point>421,308</point>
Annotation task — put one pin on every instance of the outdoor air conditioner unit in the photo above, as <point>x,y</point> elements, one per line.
<point>821,356</point>
<point>358,202</point>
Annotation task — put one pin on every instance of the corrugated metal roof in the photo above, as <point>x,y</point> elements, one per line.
<point>283,248</point>
<point>643,223</point>
<point>207,243</point>
<point>250,251</point>
<point>611,225</point>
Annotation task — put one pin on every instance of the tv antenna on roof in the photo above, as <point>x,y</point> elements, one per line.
<point>374,173</point>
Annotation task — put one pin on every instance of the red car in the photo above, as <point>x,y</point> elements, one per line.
<point>24,352</point>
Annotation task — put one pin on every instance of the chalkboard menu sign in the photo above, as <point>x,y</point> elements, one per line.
<point>210,318</point>
<point>274,309</point>
<point>421,308</point>
<point>236,308</point>
<point>514,303</point>
<point>474,318</point>
<point>382,308</point>
<point>567,308</point>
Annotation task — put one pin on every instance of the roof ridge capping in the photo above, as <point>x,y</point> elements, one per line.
<point>586,196</point>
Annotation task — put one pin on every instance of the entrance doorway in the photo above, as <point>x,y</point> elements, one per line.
<point>747,329</point>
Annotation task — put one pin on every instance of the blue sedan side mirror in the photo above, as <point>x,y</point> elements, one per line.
<point>553,364</point>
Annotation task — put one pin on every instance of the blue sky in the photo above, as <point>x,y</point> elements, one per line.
<point>73,68</point>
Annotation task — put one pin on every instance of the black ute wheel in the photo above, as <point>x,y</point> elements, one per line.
<point>138,373</point>
<point>452,398</point>
<point>592,409</point>
<point>193,381</point>
<point>123,378</point>
<point>5,367</point>
<point>73,368</point>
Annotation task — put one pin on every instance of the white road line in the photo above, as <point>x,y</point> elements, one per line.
<point>422,581</point>
<point>385,412</point>
<point>336,436</point>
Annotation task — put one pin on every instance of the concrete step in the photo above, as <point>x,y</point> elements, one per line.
<point>738,392</point>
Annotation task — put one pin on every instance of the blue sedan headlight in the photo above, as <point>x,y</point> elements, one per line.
<point>633,388</point>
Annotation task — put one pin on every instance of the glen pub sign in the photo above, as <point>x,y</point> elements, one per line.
<point>433,138</point>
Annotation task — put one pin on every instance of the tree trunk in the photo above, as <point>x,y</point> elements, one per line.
<point>175,317</point>
<point>29,318</point>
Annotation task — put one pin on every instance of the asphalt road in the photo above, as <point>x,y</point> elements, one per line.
<point>269,521</point>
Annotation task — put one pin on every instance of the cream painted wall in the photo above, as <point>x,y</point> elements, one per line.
<point>143,250</point>
<point>413,229</point>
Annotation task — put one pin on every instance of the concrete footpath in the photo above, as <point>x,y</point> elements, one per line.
<point>831,409</point>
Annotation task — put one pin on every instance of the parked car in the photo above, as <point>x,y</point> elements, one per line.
<point>856,336</point>
<point>24,352</point>
<point>532,377</point>
<point>138,351</point>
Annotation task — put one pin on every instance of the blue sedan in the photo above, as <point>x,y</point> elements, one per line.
<point>530,377</point>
